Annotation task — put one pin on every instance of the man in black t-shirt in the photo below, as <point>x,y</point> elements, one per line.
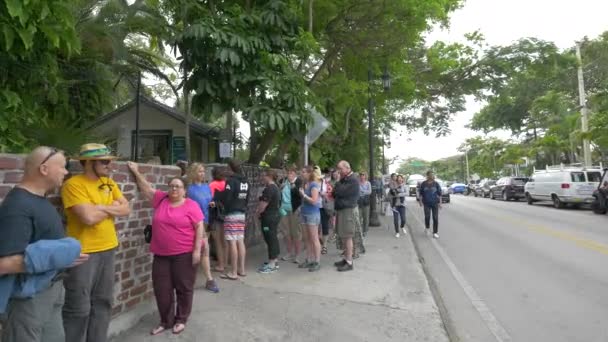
<point>26,216</point>
<point>268,210</point>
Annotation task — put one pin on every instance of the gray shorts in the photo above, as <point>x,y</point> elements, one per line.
<point>346,222</point>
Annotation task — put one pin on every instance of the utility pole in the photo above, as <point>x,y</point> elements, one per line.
<point>466,158</point>
<point>584,110</point>
<point>137,100</point>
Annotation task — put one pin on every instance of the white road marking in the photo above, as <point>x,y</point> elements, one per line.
<point>478,303</point>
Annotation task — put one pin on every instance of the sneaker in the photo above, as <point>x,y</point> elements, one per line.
<point>397,235</point>
<point>404,230</point>
<point>436,236</point>
<point>314,267</point>
<point>305,264</point>
<point>211,286</point>
<point>288,258</point>
<point>346,267</point>
<point>267,269</point>
<point>340,263</point>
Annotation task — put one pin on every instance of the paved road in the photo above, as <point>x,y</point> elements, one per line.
<point>506,271</point>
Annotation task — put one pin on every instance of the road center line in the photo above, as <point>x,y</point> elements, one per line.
<point>478,303</point>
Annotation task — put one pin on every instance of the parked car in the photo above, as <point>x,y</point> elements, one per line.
<point>563,186</point>
<point>508,188</point>
<point>458,188</point>
<point>445,192</point>
<point>412,184</point>
<point>483,189</point>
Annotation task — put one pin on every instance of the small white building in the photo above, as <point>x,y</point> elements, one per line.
<point>161,133</point>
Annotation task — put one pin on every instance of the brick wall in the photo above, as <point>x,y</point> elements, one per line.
<point>133,266</point>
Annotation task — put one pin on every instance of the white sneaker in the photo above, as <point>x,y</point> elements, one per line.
<point>404,230</point>
<point>397,235</point>
<point>436,236</point>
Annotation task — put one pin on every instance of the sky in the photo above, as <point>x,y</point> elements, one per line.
<point>502,22</point>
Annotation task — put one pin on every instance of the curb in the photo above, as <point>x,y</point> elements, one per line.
<point>448,324</point>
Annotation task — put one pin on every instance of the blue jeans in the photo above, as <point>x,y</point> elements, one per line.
<point>399,212</point>
<point>434,210</point>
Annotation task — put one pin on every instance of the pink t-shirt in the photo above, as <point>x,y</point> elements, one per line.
<point>217,186</point>
<point>173,228</point>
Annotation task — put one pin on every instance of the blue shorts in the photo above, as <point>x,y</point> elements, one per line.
<point>311,219</point>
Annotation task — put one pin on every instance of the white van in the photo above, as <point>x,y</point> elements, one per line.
<point>563,185</point>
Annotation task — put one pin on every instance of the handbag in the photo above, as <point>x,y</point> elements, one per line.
<point>148,233</point>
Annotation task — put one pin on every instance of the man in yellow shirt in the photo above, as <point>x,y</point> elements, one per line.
<point>92,200</point>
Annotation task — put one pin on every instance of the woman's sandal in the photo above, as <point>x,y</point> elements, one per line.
<point>158,330</point>
<point>324,250</point>
<point>179,328</point>
<point>228,277</point>
<point>242,274</point>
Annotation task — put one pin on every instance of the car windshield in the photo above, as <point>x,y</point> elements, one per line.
<point>413,182</point>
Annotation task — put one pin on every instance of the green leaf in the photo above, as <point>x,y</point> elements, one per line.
<point>271,122</point>
<point>9,36</point>
<point>50,33</point>
<point>15,8</point>
<point>27,36</point>
<point>279,123</point>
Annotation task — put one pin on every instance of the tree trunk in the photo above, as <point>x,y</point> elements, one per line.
<point>265,143</point>
<point>187,113</point>
<point>277,160</point>
<point>310,14</point>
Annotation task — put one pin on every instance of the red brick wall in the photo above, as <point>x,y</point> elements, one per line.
<point>133,283</point>
<point>133,261</point>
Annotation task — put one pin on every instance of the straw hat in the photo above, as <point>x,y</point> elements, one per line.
<point>95,152</point>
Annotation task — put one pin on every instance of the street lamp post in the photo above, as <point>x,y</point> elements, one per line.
<point>374,220</point>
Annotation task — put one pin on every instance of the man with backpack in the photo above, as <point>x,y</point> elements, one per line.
<point>429,196</point>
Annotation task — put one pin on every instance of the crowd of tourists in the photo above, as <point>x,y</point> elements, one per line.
<point>57,284</point>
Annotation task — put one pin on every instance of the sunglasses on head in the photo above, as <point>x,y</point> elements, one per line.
<point>53,152</point>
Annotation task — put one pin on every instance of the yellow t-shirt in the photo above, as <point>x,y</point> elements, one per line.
<point>80,190</point>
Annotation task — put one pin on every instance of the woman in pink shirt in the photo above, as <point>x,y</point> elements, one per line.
<point>177,238</point>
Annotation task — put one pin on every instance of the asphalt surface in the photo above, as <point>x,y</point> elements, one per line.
<point>507,271</point>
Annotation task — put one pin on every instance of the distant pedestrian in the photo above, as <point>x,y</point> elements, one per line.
<point>28,219</point>
<point>268,212</point>
<point>216,218</point>
<point>177,244</point>
<point>365,192</point>
<point>311,217</point>
<point>235,198</point>
<point>429,196</point>
<point>92,200</point>
<point>346,194</point>
<point>399,205</point>
<point>327,209</point>
<point>200,192</point>
<point>291,201</point>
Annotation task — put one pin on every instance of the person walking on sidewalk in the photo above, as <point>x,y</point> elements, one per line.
<point>290,209</point>
<point>200,192</point>
<point>429,196</point>
<point>235,198</point>
<point>28,219</point>
<point>346,194</point>
<point>398,194</point>
<point>177,244</point>
<point>365,192</point>
<point>311,217</point>
<point>268,211</point>
<point>92,200</point>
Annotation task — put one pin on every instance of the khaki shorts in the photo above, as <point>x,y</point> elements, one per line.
<point>346,219</point>
<point>290,226</point>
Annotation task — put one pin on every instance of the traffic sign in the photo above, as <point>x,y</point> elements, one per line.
<point>319,125</point>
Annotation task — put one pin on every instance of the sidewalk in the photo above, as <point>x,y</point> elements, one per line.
<point>386,298</point>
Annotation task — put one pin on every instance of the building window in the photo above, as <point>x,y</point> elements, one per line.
<point>154,145</point>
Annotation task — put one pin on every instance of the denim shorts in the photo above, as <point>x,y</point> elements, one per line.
<point>311,219</point>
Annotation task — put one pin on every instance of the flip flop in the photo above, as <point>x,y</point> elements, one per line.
<point>217,270</point>
<point>158,330</point>
<point>228,277</point>
<point>176,330</point>
<point>242,274</point>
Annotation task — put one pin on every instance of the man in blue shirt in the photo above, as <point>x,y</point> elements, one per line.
<point>429,196</point>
